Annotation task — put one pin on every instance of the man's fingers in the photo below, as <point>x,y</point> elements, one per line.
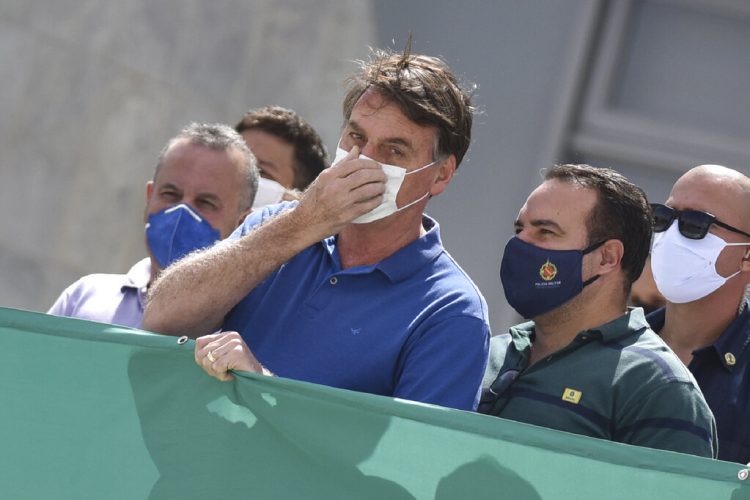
<point>220,368</point>
<point>220,353</point>
<point>364,176</point>
<point>225,376</point>
<point>201,342</point>
<point>210,347</point>
<point>353,153</point>
<point>345,168</point>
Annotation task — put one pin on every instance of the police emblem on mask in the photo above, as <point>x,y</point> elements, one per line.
<point>548,271</point>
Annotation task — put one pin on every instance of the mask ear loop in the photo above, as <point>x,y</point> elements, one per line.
<point>744,258</point>
<point>590,249</point>
<point>398,209</point>
<point>422,168</point>
<point>427,194</point>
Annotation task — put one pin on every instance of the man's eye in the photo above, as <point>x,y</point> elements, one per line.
<point>170,194</point>
<point>356,136</point>
<point>206,204</point>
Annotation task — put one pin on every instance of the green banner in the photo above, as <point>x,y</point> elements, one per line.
<point>94,411</point>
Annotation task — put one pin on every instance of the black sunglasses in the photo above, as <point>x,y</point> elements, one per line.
<point>693,224</point>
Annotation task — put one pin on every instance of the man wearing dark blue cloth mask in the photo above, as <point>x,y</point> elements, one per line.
<point>351,287</point>
<point>203,187</point>
<point>585,363</point>
<point>701,264</point>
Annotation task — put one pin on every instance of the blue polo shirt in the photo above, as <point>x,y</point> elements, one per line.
<point>722,370</point>
<point>412,326</point>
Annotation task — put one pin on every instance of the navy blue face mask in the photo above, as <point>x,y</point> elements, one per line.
<point>176,231</point>
<point>537,280</point>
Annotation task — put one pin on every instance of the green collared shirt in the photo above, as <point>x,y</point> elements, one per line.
<point>619,381</point>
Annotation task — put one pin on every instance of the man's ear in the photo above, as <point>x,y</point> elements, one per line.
<point>611,253</point>
<point>149,192</point>
<point>745,264</point>
<point>445,173</point>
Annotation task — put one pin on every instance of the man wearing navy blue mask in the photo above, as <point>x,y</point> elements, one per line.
<point>585,363</point>
<point>351,287</point>
<point>701,264</point>
<point>203,187</point>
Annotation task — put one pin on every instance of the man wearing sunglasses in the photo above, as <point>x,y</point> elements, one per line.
<point>701,264</point>
<point>586,364</point>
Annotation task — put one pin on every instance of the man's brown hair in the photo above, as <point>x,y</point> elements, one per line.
<point>424,89</point>
<point>310,156</point>
<point>621,213</point>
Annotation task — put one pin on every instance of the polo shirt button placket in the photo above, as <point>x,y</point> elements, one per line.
<point>730,359</point>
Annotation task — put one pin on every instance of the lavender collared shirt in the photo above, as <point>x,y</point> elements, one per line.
<point>107,298</point>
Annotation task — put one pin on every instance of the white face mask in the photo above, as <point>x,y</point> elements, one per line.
<point>684,269</point>
<point>394,177</point>
<point>268,193</point>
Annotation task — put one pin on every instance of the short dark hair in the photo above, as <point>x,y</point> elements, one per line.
<point>310,156</point>
<point>621,212</point>
<point>219,137</point>
<point>424,89</point>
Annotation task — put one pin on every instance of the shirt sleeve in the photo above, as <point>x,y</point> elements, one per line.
<point>446,363</point>
<point>673,416</point>
<point>65,303</point>
<point>257,217</point>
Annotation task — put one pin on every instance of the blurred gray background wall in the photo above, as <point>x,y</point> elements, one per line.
<point>93,89</point>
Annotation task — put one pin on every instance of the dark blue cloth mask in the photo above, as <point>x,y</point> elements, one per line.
<point>537,280</point>
<point>176,231</point>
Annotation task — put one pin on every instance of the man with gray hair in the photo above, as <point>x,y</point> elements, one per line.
<point>700,260</point>
<point>203,187</point>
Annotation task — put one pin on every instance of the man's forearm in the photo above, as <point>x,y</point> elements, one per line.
<point>193,296</point>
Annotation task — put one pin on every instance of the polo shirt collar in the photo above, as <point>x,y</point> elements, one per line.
<point>139,275</point>
<point>735,339</point>
<point>522,336</point>
<point>407,260</point>
<point>732,344</point>
<point>656,319</point>
<point>633,320</point>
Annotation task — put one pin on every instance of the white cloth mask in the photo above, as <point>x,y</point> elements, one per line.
<point>684,269</point>
<point>394,177</point>
<point>268,193</point>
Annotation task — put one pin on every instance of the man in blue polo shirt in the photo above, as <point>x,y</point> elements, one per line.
<point>701,264</point>
<point>351,286</point>
<point>586,364</point>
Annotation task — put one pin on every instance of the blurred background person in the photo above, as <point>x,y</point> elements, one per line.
<point>289,151</point>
